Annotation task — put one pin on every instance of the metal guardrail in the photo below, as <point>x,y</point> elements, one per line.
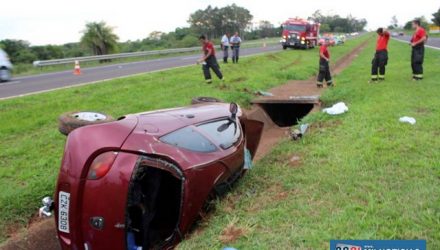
<point>72,60</point>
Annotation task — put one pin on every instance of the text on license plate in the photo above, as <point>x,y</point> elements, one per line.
<point>63,211</point>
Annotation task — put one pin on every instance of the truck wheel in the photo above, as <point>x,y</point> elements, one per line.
<point>5,74</point>
<point>204,99</point>
<point>72,120</point>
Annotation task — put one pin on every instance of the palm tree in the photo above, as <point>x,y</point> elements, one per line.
<point>99,37</point>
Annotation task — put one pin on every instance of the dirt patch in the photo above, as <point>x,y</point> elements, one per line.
<point>423,111</point>
<point>272,57</point>
<point>295,161</point>
<point>231,233</point>
<point>296,62</point>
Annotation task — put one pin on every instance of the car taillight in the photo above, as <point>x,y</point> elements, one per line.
<point>101,165</point>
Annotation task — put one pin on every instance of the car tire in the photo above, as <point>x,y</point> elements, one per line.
<point>284,47</point>
<point>5,74</point>
<point>70,121</point>
<point>205,99</point>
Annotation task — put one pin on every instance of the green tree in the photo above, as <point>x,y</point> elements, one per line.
<point>18,50</point>
<point>436,17</point>
<point>100,38</point>
<point>214,22</point>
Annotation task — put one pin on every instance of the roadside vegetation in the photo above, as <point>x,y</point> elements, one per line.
<point>32,147</point>
<point>360,175</point>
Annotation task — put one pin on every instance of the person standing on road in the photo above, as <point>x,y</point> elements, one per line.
<point>208,60</point>
<point>235,46</point>
<point>324,67</point>
<point>225,47</point>
<point>380,59</point>
<point>418,50</point>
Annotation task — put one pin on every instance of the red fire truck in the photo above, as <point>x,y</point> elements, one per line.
<point>299,33</point>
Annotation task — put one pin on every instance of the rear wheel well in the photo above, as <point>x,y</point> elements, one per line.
<point>153,204</point>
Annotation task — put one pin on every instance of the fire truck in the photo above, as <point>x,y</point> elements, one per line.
<point>299,33</point>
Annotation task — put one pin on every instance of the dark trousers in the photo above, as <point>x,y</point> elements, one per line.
<point>417,57</point>
<point>235,53</point>
<point>225,53</point>
<point>211,63</point>
<point>379,62</point>
<point>324,72</point>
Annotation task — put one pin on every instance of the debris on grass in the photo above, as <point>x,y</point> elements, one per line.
<point>337,109</point>
<point>407,119</point>
<point>296,134</point>
<point>263,93</point>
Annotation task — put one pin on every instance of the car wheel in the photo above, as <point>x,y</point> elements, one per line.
<point>205,99</point>
<point>284,47</point>
<point>72,120</point>
<point>5,74</point>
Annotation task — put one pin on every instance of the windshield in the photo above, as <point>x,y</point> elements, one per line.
<point>295,27</point>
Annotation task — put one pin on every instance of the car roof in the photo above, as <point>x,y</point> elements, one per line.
<point>164,121</point>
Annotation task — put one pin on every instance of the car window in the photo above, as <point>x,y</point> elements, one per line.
<point>189,138</point>
<point>225,137</point>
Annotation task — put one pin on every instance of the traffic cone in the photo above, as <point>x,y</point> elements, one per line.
<point>77,69</point>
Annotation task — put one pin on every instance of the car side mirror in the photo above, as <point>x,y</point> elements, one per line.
<point>233,108</point>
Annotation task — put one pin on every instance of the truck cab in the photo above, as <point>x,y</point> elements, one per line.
<point>299,33</point>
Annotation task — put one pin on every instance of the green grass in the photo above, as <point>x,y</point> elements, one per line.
<point>363,174</point>
<point>29,69</point>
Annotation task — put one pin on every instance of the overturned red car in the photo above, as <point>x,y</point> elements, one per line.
<point>141,181</point>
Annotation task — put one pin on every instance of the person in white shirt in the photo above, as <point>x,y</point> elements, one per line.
<point>235,46</point>
<point>225,47</point>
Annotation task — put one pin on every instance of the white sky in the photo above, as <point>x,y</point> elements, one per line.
<point>60,21</point>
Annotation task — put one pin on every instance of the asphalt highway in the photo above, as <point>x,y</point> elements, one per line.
<point>433,42</point>
<point>20,86</point>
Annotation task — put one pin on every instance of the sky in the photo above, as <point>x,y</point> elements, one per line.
<point>59,21</point>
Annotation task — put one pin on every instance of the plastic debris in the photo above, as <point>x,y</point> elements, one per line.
<point>337,109</point>
<point>263,93</point>
<point>407,119</point>
<point>247,159</point>
<point>298,133</point>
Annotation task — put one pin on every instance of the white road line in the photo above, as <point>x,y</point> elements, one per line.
<point>119,77</point>
<point>9,83</point>
<point>404,41</point>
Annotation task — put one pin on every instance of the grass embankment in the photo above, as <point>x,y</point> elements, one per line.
<point>360,175</point>
<point>29,69</point>
<point>31,147</point>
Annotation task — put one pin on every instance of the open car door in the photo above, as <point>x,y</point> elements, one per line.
<point>253,130</point>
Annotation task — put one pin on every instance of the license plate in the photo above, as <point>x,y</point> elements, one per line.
<point>63,211</point>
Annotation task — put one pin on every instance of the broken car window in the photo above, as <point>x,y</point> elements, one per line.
<point>189,138</point>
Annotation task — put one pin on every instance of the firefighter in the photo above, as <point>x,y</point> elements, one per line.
<point>324,68</point>
<point>418,50</point>
<point>380,59</point>
<point>235,46</point>
<point>208,60</point>
<point>225,47</point>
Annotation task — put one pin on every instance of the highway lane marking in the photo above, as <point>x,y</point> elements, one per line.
<point>407,42</point>
<point>9,83</point>
<point>119,77</point>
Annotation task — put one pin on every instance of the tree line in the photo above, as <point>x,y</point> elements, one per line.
<point>99,38</point>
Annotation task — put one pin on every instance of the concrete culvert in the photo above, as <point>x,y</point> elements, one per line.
<point>286,114</point>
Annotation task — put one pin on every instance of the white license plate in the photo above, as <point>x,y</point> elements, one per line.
<point>63,211</point>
